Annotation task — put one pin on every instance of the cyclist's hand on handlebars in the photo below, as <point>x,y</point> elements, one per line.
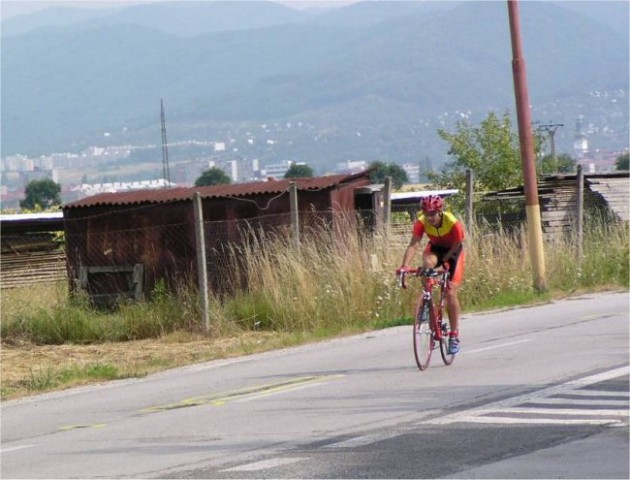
<point>400,273</point>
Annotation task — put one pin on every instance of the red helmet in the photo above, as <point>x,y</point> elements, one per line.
<point>432,203</point>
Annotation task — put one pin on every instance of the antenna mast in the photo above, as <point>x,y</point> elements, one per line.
<point>165,170</point>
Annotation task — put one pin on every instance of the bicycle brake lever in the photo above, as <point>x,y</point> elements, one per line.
<point>401,280</point>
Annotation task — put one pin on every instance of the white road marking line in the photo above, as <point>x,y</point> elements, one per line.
<point>597,393</point>
<point>545,421</point>
<point>555,411</point>
<point>368,439</point>
<point>12,449</point>
<point>545,393</point>
<point>582,401</point>
<point>265,464</point>
<point>494,347</point>
<point>360,441</point>
<point>600,377</point>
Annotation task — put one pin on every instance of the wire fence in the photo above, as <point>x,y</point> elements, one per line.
<point>114,263</point>
<point>128,261</point>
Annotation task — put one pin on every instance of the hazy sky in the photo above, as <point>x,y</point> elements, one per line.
<point>9,8</point>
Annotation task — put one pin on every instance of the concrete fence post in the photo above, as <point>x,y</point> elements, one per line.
<point>295,217</point>
<point>580,216</point>
<point>469,201</point>
<point>387,203</point>
<point>202,267</point>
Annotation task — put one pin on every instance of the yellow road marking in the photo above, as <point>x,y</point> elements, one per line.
<point>67,428</point>
<point>220,399</point>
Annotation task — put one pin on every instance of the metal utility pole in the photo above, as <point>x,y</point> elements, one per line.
<point>528,159</point>
<point>551,128</point>
<point>165,170</point>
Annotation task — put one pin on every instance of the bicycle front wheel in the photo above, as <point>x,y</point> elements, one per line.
<point>423,341</point>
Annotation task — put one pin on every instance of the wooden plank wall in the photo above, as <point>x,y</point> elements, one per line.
<point>616,192</point>
<point>558,205</point>
<point>558,198</point>
<point>28,268</point>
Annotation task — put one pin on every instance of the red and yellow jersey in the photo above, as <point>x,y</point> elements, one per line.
<point>450,232</point>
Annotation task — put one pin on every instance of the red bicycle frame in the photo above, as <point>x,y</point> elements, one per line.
<point>430,330</point>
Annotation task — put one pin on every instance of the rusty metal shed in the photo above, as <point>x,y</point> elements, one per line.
<point>128,241</point>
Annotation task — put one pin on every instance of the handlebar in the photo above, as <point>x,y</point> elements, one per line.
<point>420,272</point>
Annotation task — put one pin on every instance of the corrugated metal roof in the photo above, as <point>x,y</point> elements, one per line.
<point>27,217</point>
<point>31,222</point>
<point>179,194</point>
<point>418,195</point>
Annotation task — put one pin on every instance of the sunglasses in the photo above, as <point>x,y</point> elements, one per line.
<point>432,213</point>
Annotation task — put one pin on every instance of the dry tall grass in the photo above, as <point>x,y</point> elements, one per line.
<point>333,283</point>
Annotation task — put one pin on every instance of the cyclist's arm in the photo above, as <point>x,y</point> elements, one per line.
<point>412,249</point>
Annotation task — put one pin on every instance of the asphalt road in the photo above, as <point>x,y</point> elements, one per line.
<point>539,392</point>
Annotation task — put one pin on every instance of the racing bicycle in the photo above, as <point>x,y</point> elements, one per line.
<point>430,329</point>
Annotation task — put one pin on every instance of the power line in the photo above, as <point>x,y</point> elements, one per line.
<point>551,128</point>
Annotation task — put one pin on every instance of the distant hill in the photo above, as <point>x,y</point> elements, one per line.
<point>610,14</point>
<point>185,18</point>
<point>372,80</point>
<point>51,17</point>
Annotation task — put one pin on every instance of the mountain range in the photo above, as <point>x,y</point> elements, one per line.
<point>372,80</point>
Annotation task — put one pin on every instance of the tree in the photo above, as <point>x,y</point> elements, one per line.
<point>213,176</point>
<point>490,150</point>
<point>44,193</point>
<point>299,170</point>
<point>382,170</point>
<point>563,163</point>
<point>622,162</point>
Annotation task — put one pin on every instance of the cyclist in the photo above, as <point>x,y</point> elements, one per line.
<point>445,248</point>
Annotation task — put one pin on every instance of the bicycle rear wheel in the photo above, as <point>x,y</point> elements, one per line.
<point>423,341</point>
<point>446,330</point>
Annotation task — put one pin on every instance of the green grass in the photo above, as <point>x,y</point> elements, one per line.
<point>49,378</point>
<point>511,299</point>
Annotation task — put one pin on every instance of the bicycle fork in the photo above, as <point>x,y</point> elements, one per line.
<point>443,325</point>
<point>439,326</point>
<point>427,304</point>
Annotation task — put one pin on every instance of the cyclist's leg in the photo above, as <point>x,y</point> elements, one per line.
<point>452,299</point>
<point>452,305</point>
<point>429,258</point>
